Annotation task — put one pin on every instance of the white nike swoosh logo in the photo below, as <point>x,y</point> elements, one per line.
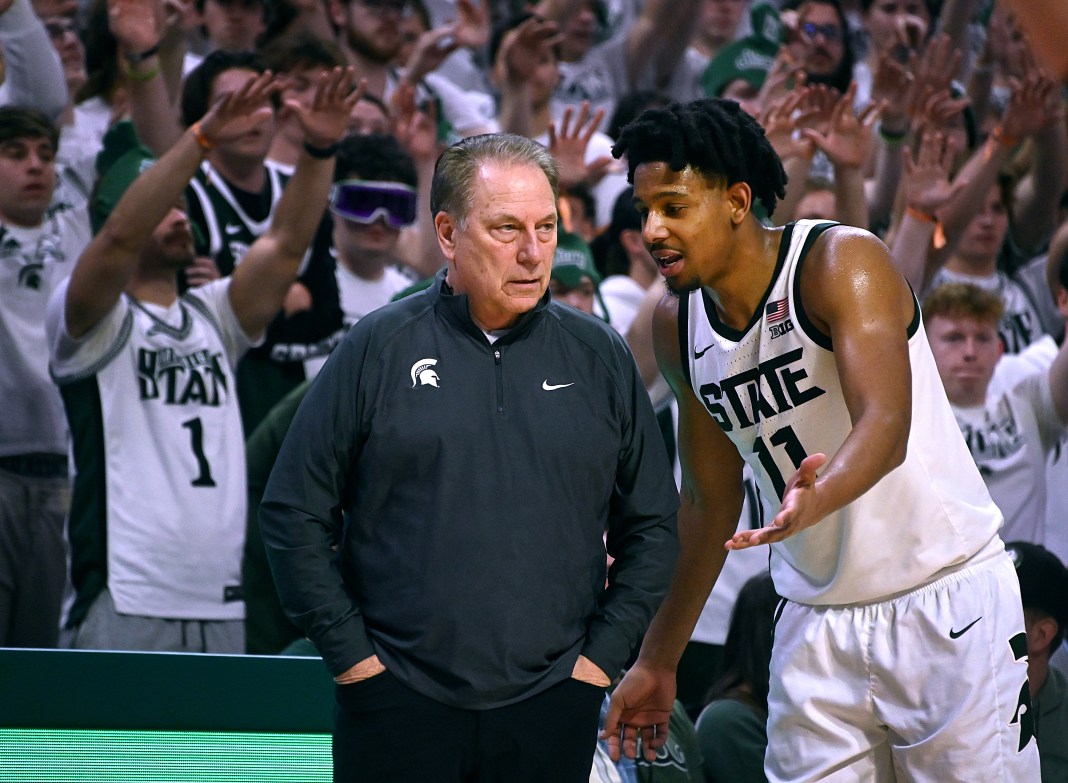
<point>230,228</point>
<point>554,386</point>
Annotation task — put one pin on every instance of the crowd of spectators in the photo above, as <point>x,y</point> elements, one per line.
<point>928,122</point>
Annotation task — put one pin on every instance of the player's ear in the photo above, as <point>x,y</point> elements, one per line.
<point>740,199</point>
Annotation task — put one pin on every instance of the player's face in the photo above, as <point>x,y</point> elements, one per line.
<point>686,223</point>
<point>502,254</point>
<point>28,171</point>
<point>966,352</point>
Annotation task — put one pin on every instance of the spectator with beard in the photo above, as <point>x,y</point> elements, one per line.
<point>819,41</point>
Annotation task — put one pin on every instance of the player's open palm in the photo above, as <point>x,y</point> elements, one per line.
<point>325,118</point>
<point>798,511</point>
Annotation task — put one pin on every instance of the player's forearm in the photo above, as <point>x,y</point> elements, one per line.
<point>875,446</point>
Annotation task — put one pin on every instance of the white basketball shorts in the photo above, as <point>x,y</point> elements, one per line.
<point>930,686</point>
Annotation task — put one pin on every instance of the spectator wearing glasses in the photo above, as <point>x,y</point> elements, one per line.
<point>820,42</point>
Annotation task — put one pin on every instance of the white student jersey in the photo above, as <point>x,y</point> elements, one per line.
<point>774,389</point>
<point>160,490</point>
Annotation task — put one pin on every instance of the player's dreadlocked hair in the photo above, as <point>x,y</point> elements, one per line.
<point>713,136</point>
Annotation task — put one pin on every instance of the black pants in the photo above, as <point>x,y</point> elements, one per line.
<point>384,732</point>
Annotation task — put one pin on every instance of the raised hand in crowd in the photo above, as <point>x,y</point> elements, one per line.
<point>927,188</point>
<point>521,51</point>
<point>847,143</point>
<point>568,146</point>
<point>936,67</point>
<point>416,128</point>
<point>846,137</point>
<point>471,29</point>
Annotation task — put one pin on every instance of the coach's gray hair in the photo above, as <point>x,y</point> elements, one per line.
<point>457,167</point>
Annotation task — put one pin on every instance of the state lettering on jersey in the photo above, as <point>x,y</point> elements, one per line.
<point>195,378</point>
<point>772,387</point>
<point>998,437</point>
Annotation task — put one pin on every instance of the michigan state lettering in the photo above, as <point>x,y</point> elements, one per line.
<point>747,399</point>
<point>195,378</point>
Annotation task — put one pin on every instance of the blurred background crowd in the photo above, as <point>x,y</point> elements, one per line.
<point>928,122</point>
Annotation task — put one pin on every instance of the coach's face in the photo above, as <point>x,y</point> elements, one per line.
<point>501,254</point>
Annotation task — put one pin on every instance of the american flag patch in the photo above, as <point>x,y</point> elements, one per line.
<point>777,311</point>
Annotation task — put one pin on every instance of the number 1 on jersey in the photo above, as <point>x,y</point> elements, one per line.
<point>787,438</point>
<point>196,436</point>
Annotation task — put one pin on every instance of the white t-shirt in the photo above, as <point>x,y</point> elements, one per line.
<point>622,296</point>
<point>1012,436</point>
<point>33,262</point>
<point>360,296</point>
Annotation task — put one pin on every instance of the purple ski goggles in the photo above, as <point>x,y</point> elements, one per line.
<point>363,201</point>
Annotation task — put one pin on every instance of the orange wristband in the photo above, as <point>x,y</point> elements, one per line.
<point>923,217</point>
<point>938,240</point>
<point>1005,141</point>
<point>202,141</point>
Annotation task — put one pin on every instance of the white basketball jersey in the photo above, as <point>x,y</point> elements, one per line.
<point>774,390</point>
<point>151,397</point>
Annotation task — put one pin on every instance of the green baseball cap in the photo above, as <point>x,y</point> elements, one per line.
<point>749,58</point>
<point>121,160</point>
<point>573,261</point>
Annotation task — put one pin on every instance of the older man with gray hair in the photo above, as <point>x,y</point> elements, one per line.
<point>442,543</point>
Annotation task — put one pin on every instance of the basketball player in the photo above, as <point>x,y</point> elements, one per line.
<point>899,651</point>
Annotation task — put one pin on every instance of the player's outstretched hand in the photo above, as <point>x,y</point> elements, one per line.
<point>798,511</point>
<point>639,710</point>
